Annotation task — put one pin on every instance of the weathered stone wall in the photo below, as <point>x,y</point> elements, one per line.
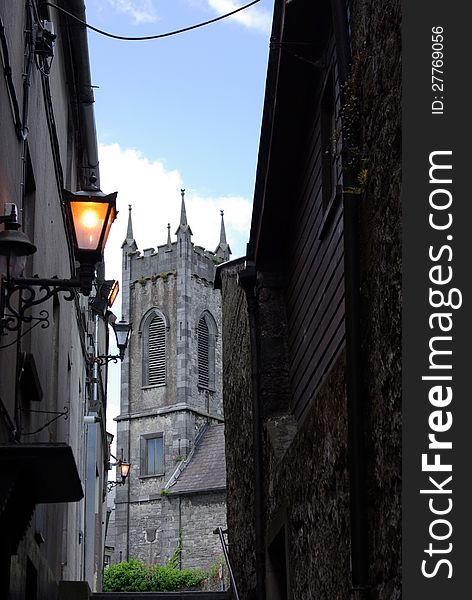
<point>162,294</point>
<point>309,486</point>
<point>200,514</point>
<point>238,431</point>
<point>145,515</point>
<point>306,481</point>
<point>377,77</point>
<point>196,515</point>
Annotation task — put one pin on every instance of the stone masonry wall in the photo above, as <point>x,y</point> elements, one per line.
<point>197,516</point>
<point>160,293</point>
<point>143,516</point>
<point>309,487</point>
<point>238,432</point>
<point>377,77</point>
<point>200,514</point>
<point>306,492</point>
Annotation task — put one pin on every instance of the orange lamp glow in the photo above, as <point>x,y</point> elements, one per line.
<point>124,469</point>
<point>113,293</point>
<point>90,214</point>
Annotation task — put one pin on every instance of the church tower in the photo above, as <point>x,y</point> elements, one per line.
<point>171,415</point>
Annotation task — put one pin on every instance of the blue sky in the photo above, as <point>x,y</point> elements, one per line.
<point>183,111</point>
<point>186,109</point>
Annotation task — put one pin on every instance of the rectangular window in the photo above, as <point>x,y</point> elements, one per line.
<point>152,454</point>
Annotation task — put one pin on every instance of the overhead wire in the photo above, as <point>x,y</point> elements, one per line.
<point>152,37</point>
<point>7,70</point>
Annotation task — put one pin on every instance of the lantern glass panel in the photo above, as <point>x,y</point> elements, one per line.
<point>111,218</point>
<point>89,219</point>
<point>122,331</point>
<point>124,469</point>
<point>113,293</point>
<point>16,266</point>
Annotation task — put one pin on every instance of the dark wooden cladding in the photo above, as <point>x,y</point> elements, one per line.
<point>315,290</point>
<point>308,307</point>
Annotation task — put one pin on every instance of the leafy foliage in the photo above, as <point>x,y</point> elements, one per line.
<point>129,576</point>
<point>135,576</point>
<point>174,561</point>
<point>169,579</point>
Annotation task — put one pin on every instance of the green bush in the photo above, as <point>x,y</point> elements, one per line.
<point>129,576</point>
<point>169,579</point>
<point>135,576</point>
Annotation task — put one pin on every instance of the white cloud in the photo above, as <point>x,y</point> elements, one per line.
<point>142,11</point>
<point>154,193</point>
<point>252,18</point>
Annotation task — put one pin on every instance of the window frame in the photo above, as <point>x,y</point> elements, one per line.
<point>143,451</point>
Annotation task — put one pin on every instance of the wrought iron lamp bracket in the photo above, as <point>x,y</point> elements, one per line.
<point>103,359</point>
<point>112,484</point>
<point>58,415</point>
<point>18,296</point>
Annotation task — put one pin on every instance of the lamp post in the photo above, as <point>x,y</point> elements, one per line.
<point>89,216</point>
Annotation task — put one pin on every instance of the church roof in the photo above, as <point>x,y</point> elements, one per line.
<point>206,469</point>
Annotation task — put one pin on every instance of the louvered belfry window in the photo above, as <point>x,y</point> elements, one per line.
<point>156,352</point>
<point>203,354</point>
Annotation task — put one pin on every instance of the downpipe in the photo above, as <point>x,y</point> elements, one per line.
<point>354,363</point>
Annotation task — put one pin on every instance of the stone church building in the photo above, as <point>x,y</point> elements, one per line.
<point>170,426</point>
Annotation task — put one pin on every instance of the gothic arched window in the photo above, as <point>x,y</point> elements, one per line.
<point>206,340</point>
<point>154,327</point>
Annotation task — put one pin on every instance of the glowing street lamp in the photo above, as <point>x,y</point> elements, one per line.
<point>89,217</point>
<point>90,214</point>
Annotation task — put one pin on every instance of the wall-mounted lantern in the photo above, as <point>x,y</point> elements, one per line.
<point>14,245</point>
<point>123,467</point>
<point>122,331</point>
<point>90,214</point>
